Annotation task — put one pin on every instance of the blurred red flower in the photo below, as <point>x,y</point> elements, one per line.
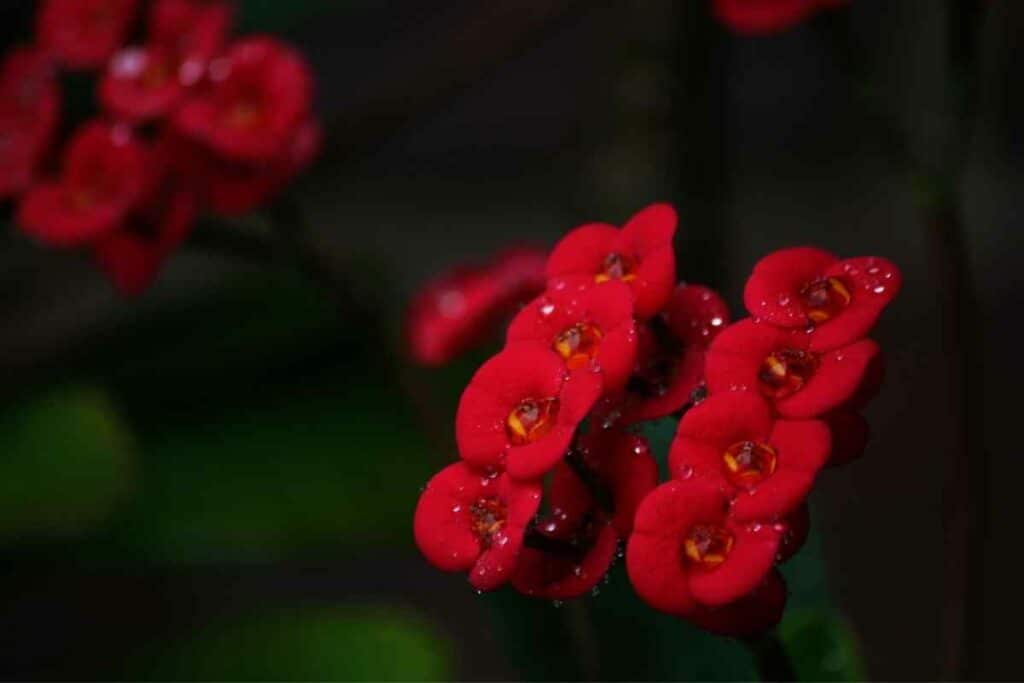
<point>84,34</point>
<point>105,174</point>
<point>29,115</point>
<point>767,16</point>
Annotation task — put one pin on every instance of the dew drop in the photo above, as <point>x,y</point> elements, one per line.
<point>595,591</point>
<point>879,289</point>
<point>556,603</point>
<point>547,309</point>
<point>685,472</point>
<point>456,508</point>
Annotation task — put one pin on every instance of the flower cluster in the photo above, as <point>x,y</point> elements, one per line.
<point>190,119</point>
<point>555,478</point>
<point>768,16</point>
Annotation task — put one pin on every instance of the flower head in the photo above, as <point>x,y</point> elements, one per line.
<point>804,286</point>
<point>765,465</point>
<point>29,113</point>
<point>640,254</point>
<point>83,34</point>
<point>105,174</point>
<point>589,326</point>
<point>260,95</point>
<point>782,365</point>
<point>468,521</point>
<point>687,550</point>
<point>521,409</point>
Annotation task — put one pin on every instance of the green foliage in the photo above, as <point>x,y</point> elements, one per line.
<point>377,644</point>
<point>66,462</point>
<point>822,646</point>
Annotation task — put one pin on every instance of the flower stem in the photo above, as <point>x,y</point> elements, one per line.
<point>770,657</point>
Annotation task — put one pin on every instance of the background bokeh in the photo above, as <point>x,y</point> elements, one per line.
<point>217,480</point>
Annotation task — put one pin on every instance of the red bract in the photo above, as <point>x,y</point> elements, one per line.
<point>780,364</point>
<point>687,550</point>
<point>670,355</point>
<point>521,409</point>
<point>754,613</point>
<point>767,16</point>
<point>805,286</point>
<point>639,254</point>
<point>104,176</point>
<point>467,521</point>
<point>766,466</point>
<point>605,475</point>
<point>83,34</point>
<point>588,326</point>
<point>29,113</point>
<point>458,310</point>
<point>259,97</point>
<point>146,82</point>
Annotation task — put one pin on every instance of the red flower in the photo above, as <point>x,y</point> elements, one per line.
<point>133,255</point>
<point>670,356</point>
<point>466,521</point>
<point>639,254</point>
<point>588,326</point>
<point>687,550</point>
<point>569,555</point>
<point>781,365</point>
<point>850,433</point>
<point>766,466</point>
<point>454,312</point>
<point>104,176</point>
<point>83,34</point>
<point>607,474</point>
<point>142,83</point>
<point>767,16</point>
<point>29,113</point>
<point>259,97</point>
<point>521,409</point>
<point>805,286</point>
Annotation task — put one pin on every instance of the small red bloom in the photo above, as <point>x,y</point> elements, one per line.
<point>588,326</point>
<point>670,356</point>
<point>805,286</point>
<point>521,409</point>
<point>639,254</point>
<point>104,176</point>
<point>83,34</point>
<point>766,466</point>
<point>467,521</point>
<point>782,366</point>
<point>850,434</point>
<point>687,550</point>
<point>260,95</point>
<point>570,553</point>
<point>616,464</point>
<point>142,83</point>
<point>29,114</point>
<point>767,16</point>
<point>456,311</point>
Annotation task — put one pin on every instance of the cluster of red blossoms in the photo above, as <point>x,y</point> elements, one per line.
<point>768,16</point>
<point>554,476</point>
<point>190,119</point>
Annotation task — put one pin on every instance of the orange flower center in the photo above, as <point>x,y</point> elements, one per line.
<point>578,345</point>
<point>616,267</point>
<point>784,372</point>
<point>531,420</point>
<point>708,545</point>
<point>245,113</point>
<point>748,463</point>
<point>488,517</point>
<point>824,298</point>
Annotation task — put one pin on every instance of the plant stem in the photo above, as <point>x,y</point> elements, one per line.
<point>770,657</point>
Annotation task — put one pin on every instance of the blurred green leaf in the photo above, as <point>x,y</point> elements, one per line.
<point>822,646</point>
<point>67,460</point>
<point>307,644</point>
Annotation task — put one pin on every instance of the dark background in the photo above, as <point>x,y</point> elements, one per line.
<point>217,479</point>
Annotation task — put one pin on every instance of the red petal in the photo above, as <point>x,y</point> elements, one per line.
<point>696,314</point>
<point>873,283</point>
<point>752,614</point>
<point>773,291</point>
<point>582,251</point>
<point>746,566</point>
<point>553,577</point>
<point>839,375</point>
